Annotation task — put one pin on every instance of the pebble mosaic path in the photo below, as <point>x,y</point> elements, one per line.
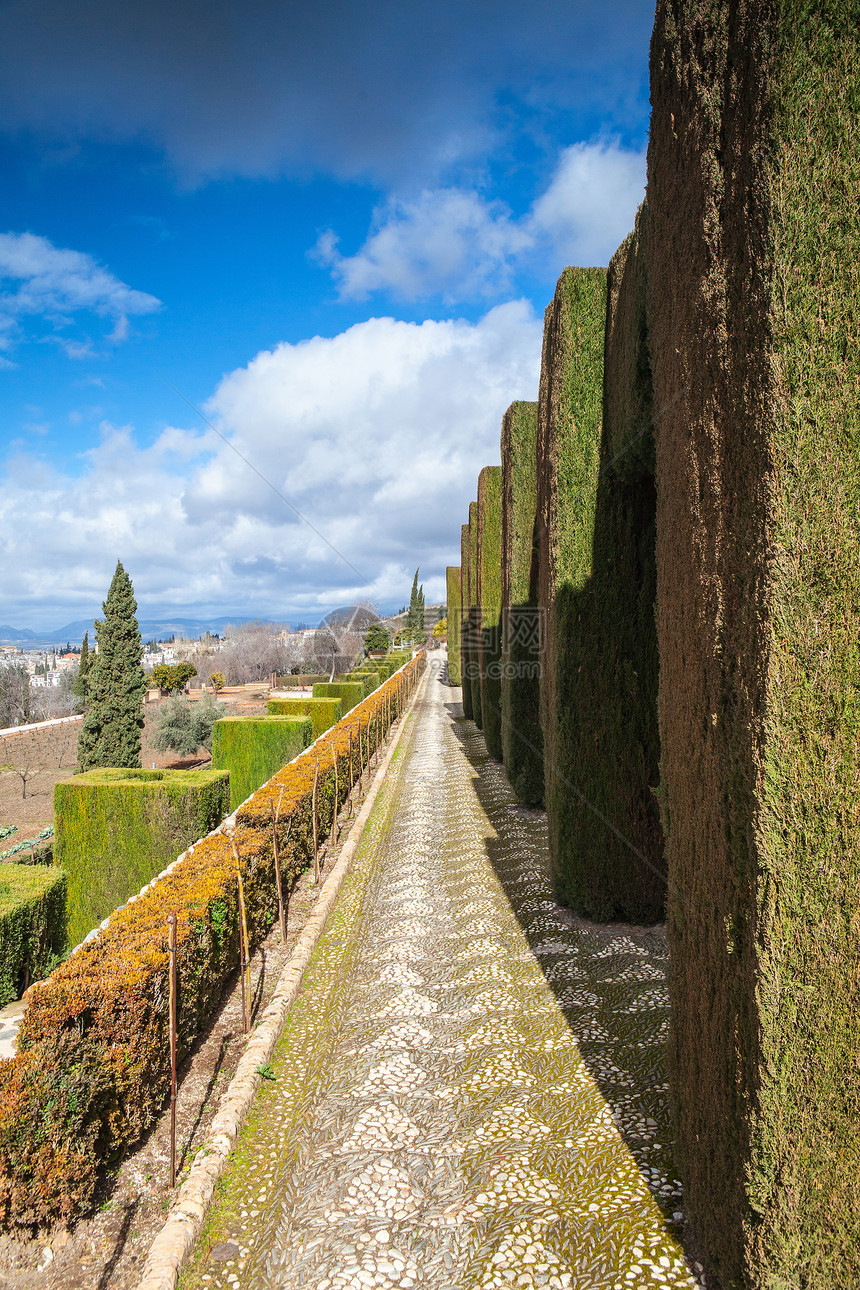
<point>471,1089</point>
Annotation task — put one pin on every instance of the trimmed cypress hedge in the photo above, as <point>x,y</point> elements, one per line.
<point>489,596</point>
<point>324,713</point>
<point>452,591</point>
<point>465,605</point>
<point>252,749</point>
<point>368,677</point>
<point>474,620</point>
<point>754,315</point>
<point>32,925</point>
<point>350,693</point>
<point>116,829</point>
<point>569,414</point>
<point>522,739</point>
<point>92,1070</point>
<point>612,856</point>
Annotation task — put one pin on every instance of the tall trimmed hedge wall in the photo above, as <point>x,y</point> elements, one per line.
<point>522,738</point>
<point>92,1070</point>
<point>455,618</point>
<point>32,924</point>
<point>568,447</point>
<point>368,677</point>
<point>116,829</point>
<point>754,314</point>
<point>252,749</point>
<point>324,713</point>
<point>465,629</point>
<point>610,845</point>
<point>489,596</point>
<point>350,693</point>
<point>474,622</point>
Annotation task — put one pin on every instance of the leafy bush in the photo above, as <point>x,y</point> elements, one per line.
<point>377,637</point>
<point>172,676</point>
<point>183,726</point>
<point>32,925</point>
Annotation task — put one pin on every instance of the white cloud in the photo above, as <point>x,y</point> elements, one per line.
<point>454,244</point>
<point>38,279</point>
<point>377,435</point>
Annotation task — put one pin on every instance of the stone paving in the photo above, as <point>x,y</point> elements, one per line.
<point>471,1088</point>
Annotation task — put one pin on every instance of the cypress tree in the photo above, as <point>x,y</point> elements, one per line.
<point>116,684</point>
<point>419,613</point>
<point>80,686</point>
<point>412,616</point>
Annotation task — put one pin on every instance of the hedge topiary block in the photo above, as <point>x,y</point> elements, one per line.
<point>324,713</point>
<point>522,740</point>
<point>350,693</point>
<point>474,620</point>
<point>754,314</point>
<point>489,597</point>
<point>253,748</point>
<point>116,829</point>
<point>369,678</point>
<point>32,924</point>
<point>613,862</point>
<point>569,415</point>
<point>465,606</point>
<point>455,618</point>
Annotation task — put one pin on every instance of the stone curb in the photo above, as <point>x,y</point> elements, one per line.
<point>175,1241</point>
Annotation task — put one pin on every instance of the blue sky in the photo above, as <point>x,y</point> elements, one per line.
<point>334,230</point>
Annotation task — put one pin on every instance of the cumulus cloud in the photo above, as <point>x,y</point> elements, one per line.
<point>38,279</point>
<point>454,244</point>
<point>378,90</point>
<point>376,435</point>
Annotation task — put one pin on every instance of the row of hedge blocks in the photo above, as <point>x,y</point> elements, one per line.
<point>324,713</point>
<point>32,924</point>
<point>455,616</point>
<point>252,749</point>
<point>488,564</point>
<point>117,829</point>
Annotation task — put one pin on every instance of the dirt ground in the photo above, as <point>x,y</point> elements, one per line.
<point>107,1250</point>
<point>50,755</point>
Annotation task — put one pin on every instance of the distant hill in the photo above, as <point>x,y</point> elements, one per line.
<point>150,629</point>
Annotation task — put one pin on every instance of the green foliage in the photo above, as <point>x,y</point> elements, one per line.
<point>473,626</point>
<point>414,629</point>
<point>80,686</point>
<point>116,829</point>
<point>32,925</point>
<point>324,713</point>
<point>453,626</point>
<point>110,734</point>
<point>350,693</point>
<point>172,676</point>
<point>377,637</point>
<point>465,606</point>
<point>254,748</point>
<point>369,678</point>
<point>489,566</point>
<point>522,738</point>
<point>217,680</point>
<point>183,726</point>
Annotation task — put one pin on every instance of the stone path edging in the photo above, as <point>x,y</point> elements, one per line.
<point>176,1239</point>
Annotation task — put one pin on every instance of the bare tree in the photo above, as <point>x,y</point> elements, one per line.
<point>16,701</point>
<point>251,652</point>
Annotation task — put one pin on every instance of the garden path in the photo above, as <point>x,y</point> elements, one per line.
<point>471,1089</point>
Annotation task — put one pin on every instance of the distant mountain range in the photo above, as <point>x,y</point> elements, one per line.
<point>150,629</point>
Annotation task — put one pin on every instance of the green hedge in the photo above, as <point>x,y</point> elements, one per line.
<point>489,564</point>
<point>465,605</point>
<point>350,693</point>
<point>32,925</point>
<point>569,417</point>
<point>522,739</point>
<point>254,748</point>
<point>452,586</point>
<point>116,829</point>
<point>324,713</point>
<point>612,854</point>
<point>368,677</point>
<point>754,318</point>
<point>473,626</point>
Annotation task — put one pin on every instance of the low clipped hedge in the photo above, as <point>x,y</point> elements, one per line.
<point>324,713</point>
<point>32,924</point>
<point>116,829</point>
<point>93,1065</point>
<point>253,748</point>
<point>369,678</point>
<point>350,693</point>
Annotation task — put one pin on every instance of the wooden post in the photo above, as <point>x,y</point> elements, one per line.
<point>351,804</point>
<point>334,804</point>
<point>276,811</point>
<point>316,850</point>
<point>171,992</point>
